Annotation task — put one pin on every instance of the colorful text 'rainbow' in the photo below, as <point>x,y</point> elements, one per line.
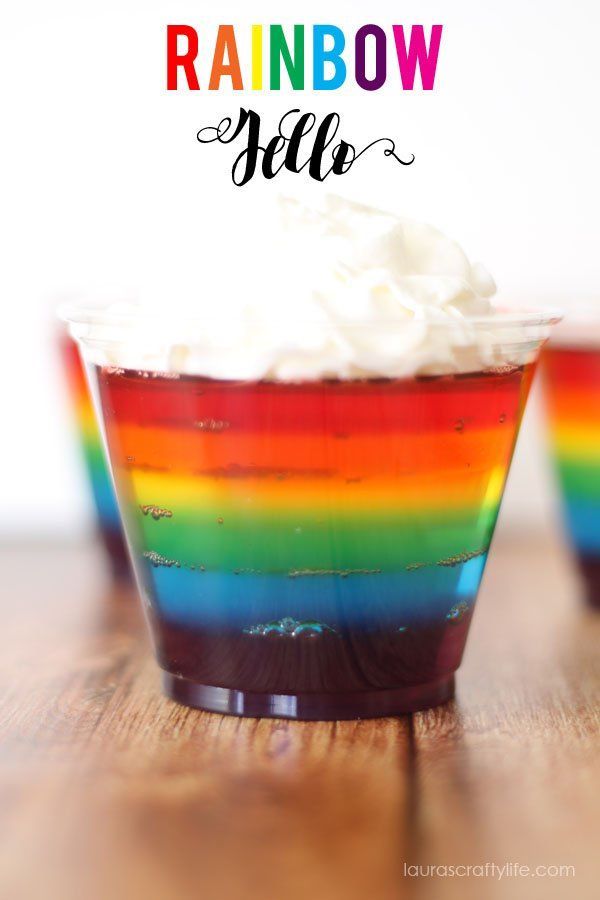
<point>320,57</point>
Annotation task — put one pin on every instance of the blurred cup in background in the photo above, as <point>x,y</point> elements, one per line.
<point>571,376</point>
<point>108,520</point>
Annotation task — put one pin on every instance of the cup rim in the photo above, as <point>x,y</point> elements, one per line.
<point>582,314</point>
<point>102,315</point>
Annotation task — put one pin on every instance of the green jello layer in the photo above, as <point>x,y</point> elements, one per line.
<point>580,479</point>
<point>258,541</point>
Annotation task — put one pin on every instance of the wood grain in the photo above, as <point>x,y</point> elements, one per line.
<point>109,790</point>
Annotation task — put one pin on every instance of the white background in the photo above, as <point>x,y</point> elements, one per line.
<point>103,185</point>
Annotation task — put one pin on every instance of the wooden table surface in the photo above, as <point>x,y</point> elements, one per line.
<point>109,790</point>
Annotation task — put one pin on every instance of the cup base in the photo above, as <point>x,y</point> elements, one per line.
<point>589,567</point>
<point>309,707</point>
<point>116,553</point>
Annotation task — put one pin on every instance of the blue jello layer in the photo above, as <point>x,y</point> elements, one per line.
<point>583,521</point>
<point>229,600</point>
<point>105,501</point>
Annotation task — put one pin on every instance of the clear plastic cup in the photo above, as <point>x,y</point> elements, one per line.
<point>108,520</point>
<point>571,369</point>
<point>308,549</point>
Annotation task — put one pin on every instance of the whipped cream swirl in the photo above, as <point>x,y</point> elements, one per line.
<point>366,294</point>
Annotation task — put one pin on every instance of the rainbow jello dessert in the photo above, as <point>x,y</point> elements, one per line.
<point>310,477</point>
<point>322,540</point>
<point>107,512</point>
<point>572,382</point>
